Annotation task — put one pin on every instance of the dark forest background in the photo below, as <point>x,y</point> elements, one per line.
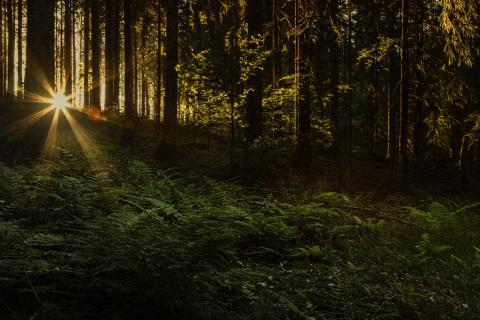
<point>239,159</point>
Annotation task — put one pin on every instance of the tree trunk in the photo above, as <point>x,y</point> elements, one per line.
<point>391,113</point>
<point>171,76</point>
<point>11,48</point>
<point>135,69</point>
<point>96,56</point>
<point>128,81</point>
<point>349,122</point>
<point>2,56</point>
<point>419,129</point>
<point>86,54</point>
<point>334,76</point>
<point>404,87</point>
<point>68,49</point>
<point>109,53</point>
<point>253,108</point>
<point>20,50</point>
<point>116,56</point>
<point>145,106</point>
<point>159,64</point>
<point>40,48</point>
<point>304,139</point>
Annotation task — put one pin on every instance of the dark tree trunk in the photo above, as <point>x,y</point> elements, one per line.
<point>40,48</point>
<point>392,82</point>
<point>68,49</point>
<point>128,81</point>
<point>135,69</point>
<point>2,56</point>
<point>86,54</point>
<point>171,76</point>
<point>159,64</point>
<point>145,106</point>
<point>109,53</point>
<point>253,108</point>
<point>334,76</point>
<point>349,121</point>
<point>304,138</point>
<point>96,53</point>
<point>20,50</point>
<point>116,56</point>
<point>11,48</point>
<point>419,129</point>
<point>5,48</point>
<point>404,88</point>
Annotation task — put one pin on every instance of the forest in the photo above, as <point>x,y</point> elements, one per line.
<point>239,159</point>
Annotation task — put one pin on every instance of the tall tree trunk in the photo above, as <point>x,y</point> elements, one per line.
<point>116,56</point>
<point>391,112</point>
<point>68,49</point>
<point>86,54</point>
<point>135,69</point>
<point>304,139</point>
<point>253,108</point>
<point>419,129</point>
<point>145,24</point>
<point>159,64</point>
<point>128,81</point>
<point>40,71</point>
<point>334,75</point>
<point>109,53</point>
<point>171,76</point>
<point>11,48</point>
<point>5,48</point>
<point>404,88</point>
<point>373,85</point>
<point>20,50</point>
<point>2,55</point>
<point>96,55</point>
<point>349,120</point>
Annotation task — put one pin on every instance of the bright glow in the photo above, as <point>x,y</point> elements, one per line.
<point>50,148</point>
<point>59,101</point>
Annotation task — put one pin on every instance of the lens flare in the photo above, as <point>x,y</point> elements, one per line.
<point>60,101</point>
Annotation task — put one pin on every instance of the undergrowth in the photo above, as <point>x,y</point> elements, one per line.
<point>141,243</point>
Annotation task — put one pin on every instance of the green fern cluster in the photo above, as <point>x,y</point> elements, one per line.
<point>145,242</point>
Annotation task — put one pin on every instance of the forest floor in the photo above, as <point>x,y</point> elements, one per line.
<point>104,231</point>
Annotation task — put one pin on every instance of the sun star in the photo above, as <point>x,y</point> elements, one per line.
<point>59,100</point>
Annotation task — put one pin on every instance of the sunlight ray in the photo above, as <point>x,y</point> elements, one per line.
<point>50,147</point>
<point>30,120</point>
<point>91,151</point>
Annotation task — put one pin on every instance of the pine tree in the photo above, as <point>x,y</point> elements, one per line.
<point>40,70</point>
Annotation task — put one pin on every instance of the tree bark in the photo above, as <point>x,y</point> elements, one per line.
<point>419,131</point>
<point>334,76</point>
<point>2,56</point>
<point>11,48</point>
<point>109,53</point>
<point>171,76</point>
<point>159,64</point>
<point>404,88</point>
<point>86,54</point>
<point>20,50</point>
<point>128,80</point>
<point>116,56</point>
<point>68,49</point>
<point>391,112</point>
<point>96,56</point>
<point>304,139</point>
<point>40,70</point>
<point>253,108</point>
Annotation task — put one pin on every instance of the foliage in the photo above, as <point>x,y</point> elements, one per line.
<point>153,242</point>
